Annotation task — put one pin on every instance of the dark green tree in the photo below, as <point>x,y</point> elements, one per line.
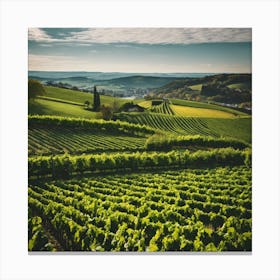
<point>35,88</point>
<point>106,112</point>
<point>96,100</point>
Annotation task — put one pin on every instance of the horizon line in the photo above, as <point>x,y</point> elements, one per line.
<point>141,72</point>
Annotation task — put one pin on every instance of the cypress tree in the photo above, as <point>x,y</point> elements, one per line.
<point>96,100</point>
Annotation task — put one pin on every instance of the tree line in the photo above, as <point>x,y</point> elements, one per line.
<point>165,143</point>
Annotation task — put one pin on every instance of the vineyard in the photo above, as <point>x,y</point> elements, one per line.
<point>163,108</point>
<point>186,210</point>
<point>58,141</point>
<point>155,181</point>
<point>217,127</point>
<point>63,166</point>
<point>170,124</point>
<point>185,108</point>
<point>53,135</point>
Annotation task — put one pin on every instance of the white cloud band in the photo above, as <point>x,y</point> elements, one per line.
<point>147,35</point>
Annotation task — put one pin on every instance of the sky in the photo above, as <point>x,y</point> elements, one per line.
<point>140,50</point>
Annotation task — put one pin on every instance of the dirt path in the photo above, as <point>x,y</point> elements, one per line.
<point>56,245</point>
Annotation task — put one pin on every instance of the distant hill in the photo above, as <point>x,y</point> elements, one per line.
<point>139,81</point>
<point>108,75</point>
<point>114,83</point>
<point>222,88</point>
<point>130,81</point>
<point>129,85</point>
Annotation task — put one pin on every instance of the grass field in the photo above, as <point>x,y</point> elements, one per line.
<point>196,104</point>
<point>79,96</point>
<point>196,87</point>
<point>185,111</point>
<point>237,128</point>
<point>145,104</point>
<point>54,108</point>
<point>239,86</point>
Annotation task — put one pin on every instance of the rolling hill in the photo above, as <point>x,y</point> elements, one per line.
<point>106,81</point>
<point>68,103</point>
<point>223,88</point>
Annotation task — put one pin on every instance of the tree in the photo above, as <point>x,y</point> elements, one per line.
<point>35,88</point>
<point>106,112</point>
<point>96,100</point>
<point>116,106</point>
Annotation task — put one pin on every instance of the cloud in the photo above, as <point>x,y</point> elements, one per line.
<point>37,34</point>
<point>55,62</point>
<point>46,45</point>
<point>147,35</point>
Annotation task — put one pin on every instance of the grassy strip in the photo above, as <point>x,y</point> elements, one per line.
<point>60,100</point>
<point>206,106</point>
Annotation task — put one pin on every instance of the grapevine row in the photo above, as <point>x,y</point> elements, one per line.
<point>65,165</point>
<point>172,124</point>
<point>163,108</point>
<point>53,140</point>
<point>96,125</point>
<point>105,213</point>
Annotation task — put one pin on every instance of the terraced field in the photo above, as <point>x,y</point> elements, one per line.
<point>57,141</point>
<point>238,128</point>
<point>170,124</point>
<point>185,210</point>
<point>56,135</point>
<point>163,108</point>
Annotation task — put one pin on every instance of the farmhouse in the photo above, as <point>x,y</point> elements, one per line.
<point>136,108</point>
<point>130,107</point>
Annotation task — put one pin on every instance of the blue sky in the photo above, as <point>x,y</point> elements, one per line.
<point>143,50</point>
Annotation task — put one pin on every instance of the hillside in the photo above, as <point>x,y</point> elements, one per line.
<point>114,83</point>
<point>195,109</point>
<point>132,183</point>
<point>78,96</point>
<point>139,81</point>
<point>68,103</point>
<point>221,88</point>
